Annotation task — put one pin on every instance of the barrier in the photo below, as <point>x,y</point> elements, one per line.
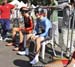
<point>70,34</point>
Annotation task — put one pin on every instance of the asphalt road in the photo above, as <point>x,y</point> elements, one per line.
<point>9,58</point>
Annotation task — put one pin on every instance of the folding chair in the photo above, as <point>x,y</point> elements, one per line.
<point>47,41</point>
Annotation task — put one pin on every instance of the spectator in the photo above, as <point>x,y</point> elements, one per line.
<point>54,20</point>
<point>17,41</point>
<point>0,26</point>
<point>41,31</point>
<point>5,17</point>
<point>28,26</point>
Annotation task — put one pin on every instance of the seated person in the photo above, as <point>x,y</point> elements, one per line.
<point>28,26</point>
<point>16,28</point>
<point>41,31</point>
<point>63,62</point>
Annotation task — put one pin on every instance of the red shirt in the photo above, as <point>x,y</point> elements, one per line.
<point>65,61</point>
<point>5,11</point>
<point>29,27</point>
<point>0,12</point>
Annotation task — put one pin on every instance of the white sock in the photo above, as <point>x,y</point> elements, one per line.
<point>35,60</point>
<point>27,50</point>
<point>74,65</point>
<point>36,56</point>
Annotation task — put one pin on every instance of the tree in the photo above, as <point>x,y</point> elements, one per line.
<point>8,1</point>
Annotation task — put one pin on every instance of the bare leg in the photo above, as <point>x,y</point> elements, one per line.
<point>38,46</point>
<point>57,63</point>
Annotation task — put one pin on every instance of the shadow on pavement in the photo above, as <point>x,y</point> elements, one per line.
<point>22,63</point>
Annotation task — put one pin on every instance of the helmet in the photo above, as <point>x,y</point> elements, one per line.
<point>39,10</point>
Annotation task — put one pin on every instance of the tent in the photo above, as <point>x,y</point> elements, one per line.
<point>19,4</point>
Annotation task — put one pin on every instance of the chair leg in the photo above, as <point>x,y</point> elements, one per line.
<point>24,40</point>
<point>54,50</point>
<point>62,54</point>
<point>43,50</point>
<point>34,48</point>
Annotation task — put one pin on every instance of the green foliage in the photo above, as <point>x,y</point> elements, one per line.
<point>8,1</point>
<point>0,0</point>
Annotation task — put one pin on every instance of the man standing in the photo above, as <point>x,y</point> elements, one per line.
<point>5,16</point>
<point>54,20</point>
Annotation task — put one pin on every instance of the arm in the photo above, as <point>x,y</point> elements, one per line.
<point>49,7</point>
<point>29,29</point>
<point>31,26</point>
<point>61,6</point>
<point>47,26</point>
<point>11,6</point>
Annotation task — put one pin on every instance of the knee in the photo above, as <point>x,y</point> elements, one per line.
<point>38,40</point>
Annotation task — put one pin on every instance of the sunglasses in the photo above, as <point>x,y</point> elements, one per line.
<point>24,11</point>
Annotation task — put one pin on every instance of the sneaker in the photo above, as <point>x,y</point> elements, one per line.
<point>23,53</point>
<point>5,39</point>
<point>34,61</point>
<point>9,44</point>
<point>1,39</point>
<point>16,49</point>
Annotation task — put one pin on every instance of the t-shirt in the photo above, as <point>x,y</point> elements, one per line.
<point>28,24</point>
<point>5,11</point>
<point>54,12</point>
<point>0,14</point>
